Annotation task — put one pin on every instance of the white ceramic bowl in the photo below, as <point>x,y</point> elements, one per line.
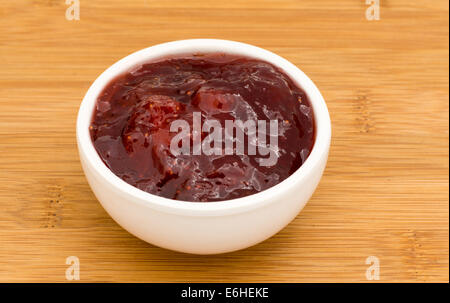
<point>212,227</point>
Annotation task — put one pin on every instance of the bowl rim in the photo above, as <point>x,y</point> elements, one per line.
<point>242,204</point>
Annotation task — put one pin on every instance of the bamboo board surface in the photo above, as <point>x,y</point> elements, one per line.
<point>384,192</point>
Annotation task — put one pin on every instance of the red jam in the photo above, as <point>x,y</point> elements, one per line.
<point>131,126</point>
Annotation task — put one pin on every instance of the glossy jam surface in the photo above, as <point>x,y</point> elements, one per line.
<point>130,128</point>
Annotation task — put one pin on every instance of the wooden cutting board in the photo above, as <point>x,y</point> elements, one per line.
<point>385,190</point>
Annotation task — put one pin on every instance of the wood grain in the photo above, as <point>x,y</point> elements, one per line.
<point>385,189</point>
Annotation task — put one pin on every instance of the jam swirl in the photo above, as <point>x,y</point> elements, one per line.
<point>131,125</point>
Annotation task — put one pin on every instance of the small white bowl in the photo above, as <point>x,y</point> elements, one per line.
<point>206,227</point>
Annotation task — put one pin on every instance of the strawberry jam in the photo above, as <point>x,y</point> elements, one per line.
<point>133,127</point>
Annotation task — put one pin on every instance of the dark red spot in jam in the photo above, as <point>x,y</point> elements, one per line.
<point>131,125</point>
